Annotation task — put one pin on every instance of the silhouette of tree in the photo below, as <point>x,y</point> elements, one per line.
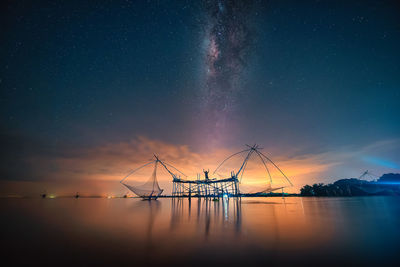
<point>306,190</point>
<point>387,184</point>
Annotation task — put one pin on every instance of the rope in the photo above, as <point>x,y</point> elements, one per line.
<point>277,168</point>
<point>265,165</point>
<point>229,158</point>
<point>175,169</point>
<point>131,172</point>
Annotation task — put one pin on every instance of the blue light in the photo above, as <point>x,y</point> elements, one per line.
<point>388,183</point>
<point>381,162</point>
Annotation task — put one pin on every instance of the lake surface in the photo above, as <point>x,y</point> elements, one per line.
<point>248,231</point>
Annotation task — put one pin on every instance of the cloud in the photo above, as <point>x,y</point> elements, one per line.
<point>98,169</point>
<point>88,167</point>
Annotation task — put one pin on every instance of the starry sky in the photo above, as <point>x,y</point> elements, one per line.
<point>90,89</point>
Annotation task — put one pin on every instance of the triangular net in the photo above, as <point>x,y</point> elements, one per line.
<point>149,189</point>
<point>260,173</point>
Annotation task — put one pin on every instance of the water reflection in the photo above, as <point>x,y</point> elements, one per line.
<point>201,231</point>
<point>153,208</point>
<point>209,213</point>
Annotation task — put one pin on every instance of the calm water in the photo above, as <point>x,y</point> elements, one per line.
<point>249,231</point>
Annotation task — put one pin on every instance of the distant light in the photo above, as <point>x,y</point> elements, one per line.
<point>109,196</point>
<point>388,183</point>
<point>381,162</point>
<point>52,196</point>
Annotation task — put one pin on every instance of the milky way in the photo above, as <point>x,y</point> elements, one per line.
<point>227,44</point>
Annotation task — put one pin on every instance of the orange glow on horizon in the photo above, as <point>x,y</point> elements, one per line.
<point>98,170</point>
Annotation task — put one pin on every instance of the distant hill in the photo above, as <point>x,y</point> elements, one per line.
<point>387,184</point>
<point>390,178</point>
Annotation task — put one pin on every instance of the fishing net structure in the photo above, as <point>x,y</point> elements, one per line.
<point>225,182</point>
<point>267,175</point>
<point>272,179</point>
<point>368,183</point>
<point>368,176</point>
<point>150,189</point>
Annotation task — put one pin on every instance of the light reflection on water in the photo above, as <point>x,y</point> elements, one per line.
<point>198,231</point>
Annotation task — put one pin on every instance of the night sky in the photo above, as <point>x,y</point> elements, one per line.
<point>90,90</point>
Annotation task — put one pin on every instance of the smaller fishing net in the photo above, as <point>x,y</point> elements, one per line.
<point>269,189</point>
<point>149,189</point>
